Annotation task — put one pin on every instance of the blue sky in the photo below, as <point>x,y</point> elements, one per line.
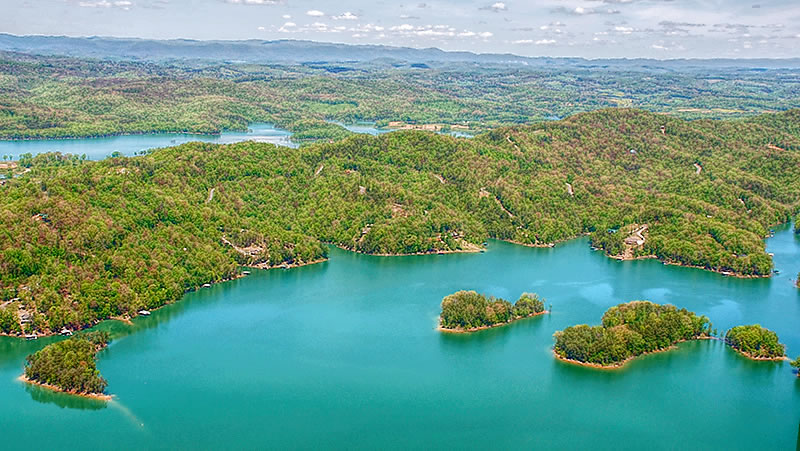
<point>588,28</point>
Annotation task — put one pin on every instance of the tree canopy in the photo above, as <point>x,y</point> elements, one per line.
<point>468,310</point>
<point>755,342</point>
<point>629,330</point>
<point>69,364</point>
<point>82,241</point>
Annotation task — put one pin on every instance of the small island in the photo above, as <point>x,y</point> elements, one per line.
<point>756,342</point>
<point>796,364</point>
<point>468,311</point>
<point>69,366</point>
<point>627,331</point>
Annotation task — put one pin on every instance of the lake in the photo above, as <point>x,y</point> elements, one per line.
<point>345,355</point>
<point>100,148</point>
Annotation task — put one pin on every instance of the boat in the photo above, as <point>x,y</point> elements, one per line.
<point>206,285</point>
<point>246,273</point>
<point>66,332</point>
<point>144,312</point>
<point>31,337</point>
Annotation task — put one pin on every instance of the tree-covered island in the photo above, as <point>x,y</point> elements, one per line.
<point>756,342</point>
<point>468,311</point>
<point>629,330</point>
<point>69,365</point>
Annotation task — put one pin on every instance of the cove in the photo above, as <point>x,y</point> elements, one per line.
<point>100,148</point>
<point>344,354</point>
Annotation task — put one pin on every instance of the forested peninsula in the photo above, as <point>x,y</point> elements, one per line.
<point>756,342</point>
<point>468,311</point>
<point>627,331</point>
<point>83,241</point>
<point>69,365</point>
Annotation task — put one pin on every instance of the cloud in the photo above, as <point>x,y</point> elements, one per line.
<point>315,13</point>
<point>346,16</point>
<point>288,27</point>
<point>523,41</point>
<point>253,2</point>
<point>583,11</point>
<point>123,4</point>
<point>545,42</point>
<point>496,7</point>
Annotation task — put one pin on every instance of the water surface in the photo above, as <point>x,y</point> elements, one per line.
<point>100,148</point>
<point>345,355</point>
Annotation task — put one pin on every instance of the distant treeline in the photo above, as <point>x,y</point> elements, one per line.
<point>57,97</point>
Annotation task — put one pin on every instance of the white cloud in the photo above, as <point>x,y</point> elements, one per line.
<point>346,16</point>
<point>124,4</point>
<point>253,2</point>
<point>545,42</point>
<point>486,34</point>
<point>286,16</point>
<point>315,13</point>
<point>496,7</point>
<point>523,41</point>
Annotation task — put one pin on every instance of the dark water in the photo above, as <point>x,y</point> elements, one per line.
<point>344,355</point>
<point>100,148</point>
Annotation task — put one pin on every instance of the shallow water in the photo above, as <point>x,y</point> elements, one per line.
<point>344,354</point>
<point>100,148</point>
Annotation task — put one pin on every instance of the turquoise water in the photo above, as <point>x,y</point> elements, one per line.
<point>99,148</point>
<point>344,355</point>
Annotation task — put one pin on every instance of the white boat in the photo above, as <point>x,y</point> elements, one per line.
<point>144,312</point>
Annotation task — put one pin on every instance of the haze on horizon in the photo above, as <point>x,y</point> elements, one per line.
<point>661,29</point>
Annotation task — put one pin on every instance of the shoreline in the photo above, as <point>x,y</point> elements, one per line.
<point>115,134</point>
<point>474,249</point>
<point>619,365</point>
<point>127,319</point>
<point>757,359</point>
<point>476,329</point>
<point>284,265</point>
<point>682,265</point>
<point>97,396</point>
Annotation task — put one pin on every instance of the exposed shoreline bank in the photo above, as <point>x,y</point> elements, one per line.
<point>97,396</point>
<point>476,329</point>
<point>619,365</point>
<point>758,359</point>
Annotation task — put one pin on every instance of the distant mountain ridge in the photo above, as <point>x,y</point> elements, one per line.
<point>295,51</point>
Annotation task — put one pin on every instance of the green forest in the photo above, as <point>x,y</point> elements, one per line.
<point>629,330</point>
<point>755,342</point>
<point>70,364</point>
<point>468,310</point>
<point>83,241</point>
<point>57,97</point>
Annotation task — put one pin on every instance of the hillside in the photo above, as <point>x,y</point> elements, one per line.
<point>83,241</point>
<point>58,97</point>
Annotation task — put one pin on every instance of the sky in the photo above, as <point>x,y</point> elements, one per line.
<point>587,28</point>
